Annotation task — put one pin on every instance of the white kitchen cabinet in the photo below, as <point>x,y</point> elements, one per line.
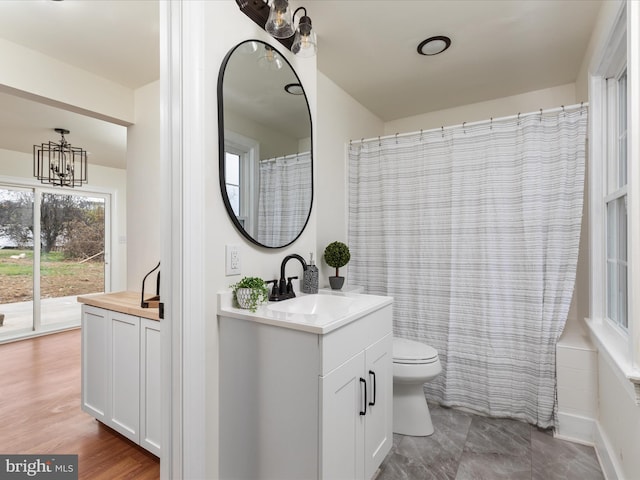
<point>150,393</point>
<point>121,373</point>
<point>123,367</point>
<point>94,362</point>
<point>291,400</point>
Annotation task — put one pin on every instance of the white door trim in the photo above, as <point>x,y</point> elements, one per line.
<point>183,193</point>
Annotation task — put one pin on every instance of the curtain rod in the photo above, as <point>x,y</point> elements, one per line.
<point>472,124</point>
<point>291,156</point>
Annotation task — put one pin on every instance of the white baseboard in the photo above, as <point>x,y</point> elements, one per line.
<point>575,428</point>
<point>608,460</point>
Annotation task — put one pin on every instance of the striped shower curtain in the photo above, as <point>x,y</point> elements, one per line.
<point>474,230</point>
<point>284,198</point>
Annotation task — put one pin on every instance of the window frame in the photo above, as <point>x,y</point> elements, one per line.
<point>614,191</point>
<point>622,47</point>
<point>249,151</point>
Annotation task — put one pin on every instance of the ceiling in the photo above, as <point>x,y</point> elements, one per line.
<point>499,48</point>
<point>114,39</point>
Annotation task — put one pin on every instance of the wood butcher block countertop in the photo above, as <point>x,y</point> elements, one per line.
<point>123,302</point>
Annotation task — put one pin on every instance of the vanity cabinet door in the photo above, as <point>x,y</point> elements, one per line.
<point>379,418</point>
<point>343,392</point>
<point>150,394</point>
<point>94,362</point>
<point>124,374</point>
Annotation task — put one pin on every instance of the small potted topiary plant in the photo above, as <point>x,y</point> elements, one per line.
<point>250,292</point>
<point>337,255</point>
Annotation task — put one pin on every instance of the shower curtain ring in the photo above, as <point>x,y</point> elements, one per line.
<point>379,142</point>
<point>463,130</point>
<point>396,138</point>
<point>442,131</point>
<point>540,115</point>
<point>491,123</point>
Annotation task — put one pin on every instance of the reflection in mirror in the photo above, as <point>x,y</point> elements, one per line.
<point>266,160</point>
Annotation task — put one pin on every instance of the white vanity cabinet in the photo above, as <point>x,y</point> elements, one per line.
<point>292,400</point>
<point>356,413</point>
<point>121,373</point>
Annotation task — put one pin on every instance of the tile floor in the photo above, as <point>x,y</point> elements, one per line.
<point>471,447</point>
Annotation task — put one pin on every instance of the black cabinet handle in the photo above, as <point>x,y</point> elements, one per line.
<point>364,411</point>
<point>373,402</point>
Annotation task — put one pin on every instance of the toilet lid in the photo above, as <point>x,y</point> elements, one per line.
<point>409,351</point>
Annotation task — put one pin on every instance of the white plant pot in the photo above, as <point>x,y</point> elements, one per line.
<point>243,296</point>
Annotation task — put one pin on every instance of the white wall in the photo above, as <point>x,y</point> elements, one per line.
<point>597,43</point>
<point>618,428</point>
<point>19,165</point>
<point>500,107</point>
<point>622,435</point>
<point>273,143</point>
<point>226,26</point>
<point>340,119</point>
<point>80,92</point>
<point>143,197</point>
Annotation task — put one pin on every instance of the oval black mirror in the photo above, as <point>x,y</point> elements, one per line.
<point>265,145</point>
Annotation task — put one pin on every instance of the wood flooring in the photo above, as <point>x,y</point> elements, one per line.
<point>40,411</point>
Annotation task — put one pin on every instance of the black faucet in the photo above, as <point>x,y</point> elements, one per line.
<point>285,288</point>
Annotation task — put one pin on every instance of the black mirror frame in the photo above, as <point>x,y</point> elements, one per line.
<point>221,149</point>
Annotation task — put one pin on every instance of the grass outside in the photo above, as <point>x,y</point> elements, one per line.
<point>58,277</point>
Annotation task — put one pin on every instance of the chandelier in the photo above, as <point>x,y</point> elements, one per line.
<point>60,164</point>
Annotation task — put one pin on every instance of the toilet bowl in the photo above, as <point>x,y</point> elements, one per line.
<point>414,364</point>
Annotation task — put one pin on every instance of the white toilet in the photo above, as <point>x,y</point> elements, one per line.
<point>414,364</point>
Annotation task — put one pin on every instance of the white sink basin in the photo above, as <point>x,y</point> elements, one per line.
<point>319,313</point>
<point>313,305</point>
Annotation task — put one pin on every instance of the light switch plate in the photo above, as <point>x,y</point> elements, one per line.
<point>232,263</point>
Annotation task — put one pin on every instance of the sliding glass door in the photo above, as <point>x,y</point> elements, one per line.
<point>39,281</point>
<point>16,261</point>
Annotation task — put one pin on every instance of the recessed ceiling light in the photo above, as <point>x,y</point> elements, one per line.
<point>294,89</point>
<point>434,45</point>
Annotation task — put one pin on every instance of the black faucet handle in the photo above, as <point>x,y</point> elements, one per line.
<point>274,290</point>
<point>289,286</point>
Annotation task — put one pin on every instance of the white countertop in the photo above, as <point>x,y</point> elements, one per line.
<point>322,323</point>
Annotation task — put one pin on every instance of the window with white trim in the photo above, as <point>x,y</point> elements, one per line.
<point>241,159</point>
<point>232,167</point>
<point>615,198</point>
